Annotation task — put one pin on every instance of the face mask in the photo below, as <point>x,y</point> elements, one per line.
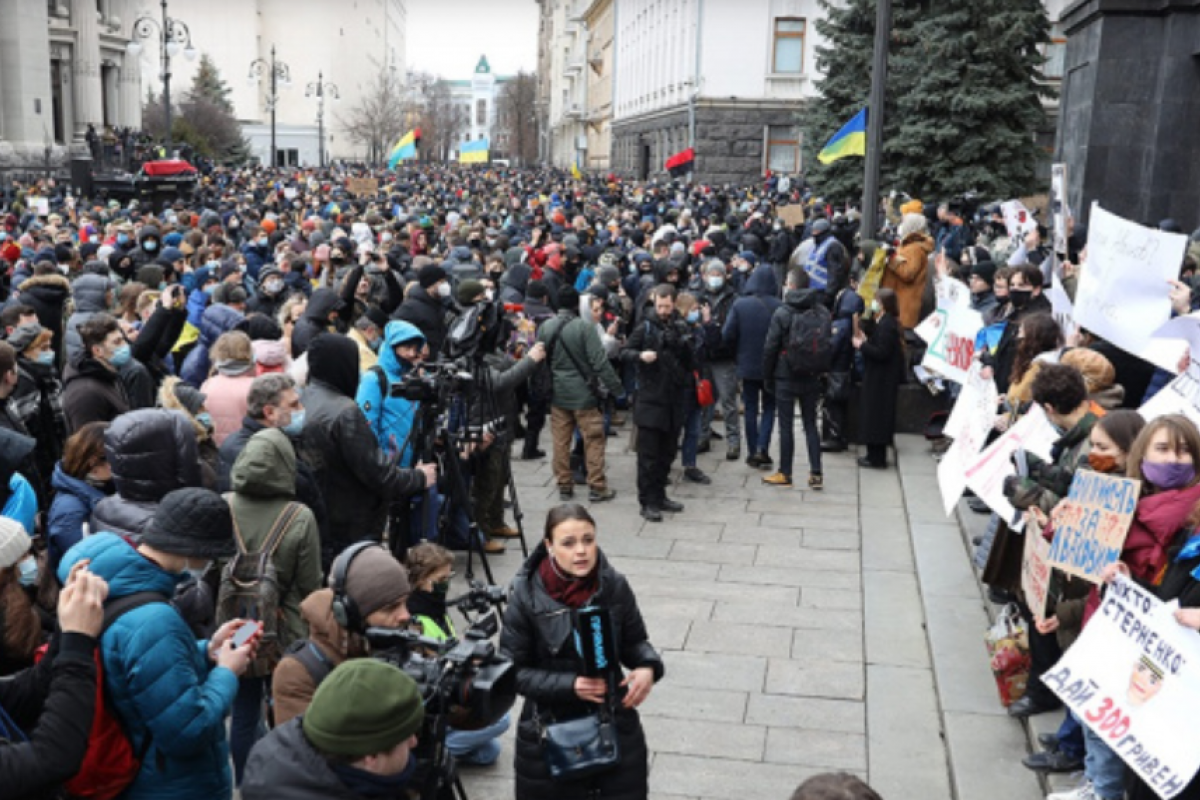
<point>213,264</point>
<point>1168,476</point>
<point>122,238</point>
<point>1102,463</point>
<point>205,419</point>
<point>715,283</point>
<point>121,356</point>
<point>212,287</point>
<point>874,306</point>
<point>743,267</point>
<point>441,589</point>
<point>3,235</point>
<point>1020,297</point>
<point>294,427</point>
<point>443,290</point>
<point>489,295</point>
<point>262,241</point>
<point>105,486</point>
<point>374,343</point>
<point>29,572</point>
<point>693,316</point>
<point>149,245</point>
<point>64,268</point>
<point>273,286</point>
<point>46,357</point>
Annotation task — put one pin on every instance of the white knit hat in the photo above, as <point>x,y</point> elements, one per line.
<point>14,542</point>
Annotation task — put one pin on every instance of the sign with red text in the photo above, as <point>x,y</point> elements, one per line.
<point>1091,525</point>
<point>968,425</point>
<point>1133,677</point>
<point>1036,572</point>
<point>1034,433</point>
<point>950,332</point>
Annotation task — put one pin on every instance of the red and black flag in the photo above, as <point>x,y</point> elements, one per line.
<point>681,163</point>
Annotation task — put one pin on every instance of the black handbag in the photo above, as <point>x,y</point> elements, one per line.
<point>837,386</point>
<point>579,748</point>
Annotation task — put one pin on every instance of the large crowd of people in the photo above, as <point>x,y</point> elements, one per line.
<point>281,384</point>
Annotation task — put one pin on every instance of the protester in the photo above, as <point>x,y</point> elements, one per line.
<point>80,480</point>
<point>882,347</point>
<point>746,329</point>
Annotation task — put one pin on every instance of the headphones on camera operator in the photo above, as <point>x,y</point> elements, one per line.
<point>345,610</point>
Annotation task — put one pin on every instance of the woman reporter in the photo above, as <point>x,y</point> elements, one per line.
<point>565,573</point>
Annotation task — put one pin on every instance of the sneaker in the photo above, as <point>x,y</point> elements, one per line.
<point>696,475</point>
<point>566,493</point>
<point>1085,791</point>
<point>1052,761</point>
<point>651,514</point>
<point>671,505</point>
<point>816,481</point>
<point>778,479</point>
<point>600,495</point>
<point>493,547</point>
<point>733,452</point>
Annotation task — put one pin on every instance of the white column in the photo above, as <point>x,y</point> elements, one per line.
<point>129,73</point>
<point>85,68</point>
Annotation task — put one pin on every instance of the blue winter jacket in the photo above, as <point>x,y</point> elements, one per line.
<point>748,321</point>
<point>74,500</point>
<point>160,682</point>
<point>391,418</point>
<point>217,319</point>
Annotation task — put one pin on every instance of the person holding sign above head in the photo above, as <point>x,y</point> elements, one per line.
<point>570,671</point>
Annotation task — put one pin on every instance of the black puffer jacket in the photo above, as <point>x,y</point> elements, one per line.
<point>315,320</point>
<point>284,766</point>
<point>48,295</point>
<point>151,451</point>
<point>775,363</point>
<point>356,478</point>
<point>428,314</point>
<point>663,382</point>
<point>539,637</point>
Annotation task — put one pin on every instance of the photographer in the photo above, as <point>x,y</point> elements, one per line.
<point>430,570</point>
<point>662,349</point>
<point>356,741</point>
<point>368,588</point>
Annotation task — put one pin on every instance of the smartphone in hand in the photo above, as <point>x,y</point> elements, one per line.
<point>245,633</point>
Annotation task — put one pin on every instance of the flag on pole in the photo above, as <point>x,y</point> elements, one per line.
<point>681,163</point>
<point>575,173</point>
<point>405,148</point>
<point>851,140</point>
<point>475,152</point>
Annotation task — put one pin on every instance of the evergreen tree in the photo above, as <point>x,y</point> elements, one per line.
<point>972,99</point>
<point>209,85</point>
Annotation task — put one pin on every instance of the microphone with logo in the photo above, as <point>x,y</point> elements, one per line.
<point>594,640</point>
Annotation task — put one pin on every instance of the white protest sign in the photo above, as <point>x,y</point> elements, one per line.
<point>951,340</point>
<point>1059,211</point>
<point>1036,572</point>
<point>1123,287</point>
<point>289,193</point>
<point>1017,219</point>
<point>1180,396</point>
<point>1133,677</point>
<point>986,475</point>
<point>1090,527</point>
<point>968,425</point>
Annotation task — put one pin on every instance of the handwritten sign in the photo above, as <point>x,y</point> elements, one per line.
<point>1036,572</point>
<point>1090,527</point>
<point>986,475</point>
<point>1017,219</point>
<point>951,335</point>
<point>1180,396</point>
<point>1059,210</point>
<point>1133,677</point>
<point>362,186</point>
<point>1122,293</point>
<point>968,425</point>
<point>791,215</point>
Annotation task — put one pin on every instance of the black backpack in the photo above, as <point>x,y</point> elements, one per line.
<point>809,349</point>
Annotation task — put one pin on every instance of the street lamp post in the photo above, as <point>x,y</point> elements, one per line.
<point>173,36</point>
<point>320,89</point>
<point>279,74</point>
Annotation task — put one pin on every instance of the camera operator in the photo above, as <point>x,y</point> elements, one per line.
<point>355,741</point>
<point>368,588</point>
<point>661,347</point>
<point>430,570</point>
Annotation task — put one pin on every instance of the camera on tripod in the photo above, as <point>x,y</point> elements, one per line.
<point>434,382</point>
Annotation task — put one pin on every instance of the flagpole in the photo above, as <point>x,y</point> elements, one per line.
<point>883,30</point>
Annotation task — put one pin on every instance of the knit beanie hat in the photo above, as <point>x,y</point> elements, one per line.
<point>469,291</point>
<point>376,580</point>
<point>25,335</point>
<point>430,274</point>
<point>363,708</point>
<point>189,397</point>
<point>192,522</point>
<point>14,542</point>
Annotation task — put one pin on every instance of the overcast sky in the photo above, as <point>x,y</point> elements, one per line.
<point>448,36</point>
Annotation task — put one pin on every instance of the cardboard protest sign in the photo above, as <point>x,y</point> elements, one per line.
<point>1036,572</point>
<point>1133,677</point>
<point>986,474</point>
<point>968,425</point>
<point>1123,287</point>
<point>362,186</point>
<point>791,215</point>
<point>1090,527</point>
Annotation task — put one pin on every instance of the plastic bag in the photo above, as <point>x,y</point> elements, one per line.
<point>1008,651</point>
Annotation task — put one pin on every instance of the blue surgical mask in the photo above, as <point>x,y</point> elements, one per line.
<point>714,283</point>
<point>150,245</point>
<point>46,357</point>
<point>374,343</point>
<point>121,356</point>
<point>262,241</point>
<point>693,316</point>
<point>28,572</point>
<point>294,427</point>
<point>212,287</point>
<point>3,235</point>
<point>205,419</point>
<point>122,238</point>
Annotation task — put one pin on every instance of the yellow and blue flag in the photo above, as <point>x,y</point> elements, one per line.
<point>575,173</point>
<point>851,140</point>
<point>405,148</point>
<point>475,152</point>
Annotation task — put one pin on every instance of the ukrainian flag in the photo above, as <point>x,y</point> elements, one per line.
<point>405,148</point>
<point>473,152</point>
<point>575,173</point>
<point>851,140</point>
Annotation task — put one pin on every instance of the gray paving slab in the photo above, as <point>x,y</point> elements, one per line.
<point>716,671</point>
<point>725,779</point>
<point>745,743</point>
<point>811,713</point>
<point>817,678</point>
<point>822,749</point>
<point>739,639</point>
<point>906,754</point>
<point>713,552</point>
<point>894,620</point>
<point>808,558</point>
<point>943,564</point>
<point>789,576</point>
<point>672,700</point>
<point>839,599</point>
<point>985,757</point>
<point>956,631</point>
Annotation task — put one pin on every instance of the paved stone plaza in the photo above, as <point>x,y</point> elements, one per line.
<point>802,632</point>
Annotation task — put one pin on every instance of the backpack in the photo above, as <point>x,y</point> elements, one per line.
<point>110,763</point>
<point>250,590</point>
<point>809,349</point>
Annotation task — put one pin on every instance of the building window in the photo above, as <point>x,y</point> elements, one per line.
<point>789,45</point>
<point>1056,56</point>
<point>783,149</point>
<point>481,112</point>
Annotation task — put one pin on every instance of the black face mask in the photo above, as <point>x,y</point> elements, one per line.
<point>1020,297</point>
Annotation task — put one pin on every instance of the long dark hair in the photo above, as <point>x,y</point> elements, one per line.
<point>1122,425</point>
<point>565,513</point>
<point>1042,335</point>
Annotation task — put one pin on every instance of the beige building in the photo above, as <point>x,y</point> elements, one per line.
<point>598,22</point>
<point>63,66</point>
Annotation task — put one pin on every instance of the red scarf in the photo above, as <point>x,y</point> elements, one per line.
<point>570,591</point>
